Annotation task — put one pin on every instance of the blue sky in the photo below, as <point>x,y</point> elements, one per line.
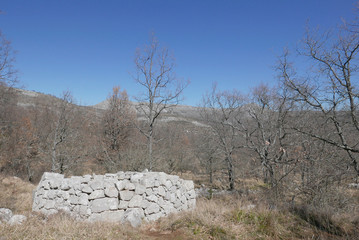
<point>88,46</point>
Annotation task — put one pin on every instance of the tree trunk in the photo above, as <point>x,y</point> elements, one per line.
<point>150,143</point>
<point>230,173</point>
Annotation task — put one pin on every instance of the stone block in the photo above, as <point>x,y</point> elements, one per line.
<point>152,208</point>
<point>188,185</point>
<point>97,194</point>
<point>139,189</point>
<point>49,204</point>
<point>104,204</point>
<point>123,204</point>
<point>126,195</point>
<point>168,184</point>
<point>65,185</point>
<point>96,184</point>
<point>148,181</point>
<point>87,189</point>
<point>83,199</point>
<point>17,219</point>
<point>145,204</point>
<point>135,202</point>
<point>133,216</point>
<point>111,191</point>
<point>5,214</point>
<point>152,198</point>
<point>153,217</point>
<point>74,200</point>
<point>149,191</point>
<point>135,178</point>
<point>161,191</point>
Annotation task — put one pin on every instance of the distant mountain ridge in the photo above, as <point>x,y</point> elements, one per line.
<point>179,113</point>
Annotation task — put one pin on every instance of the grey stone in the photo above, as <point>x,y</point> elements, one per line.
<point>126,195</point>
<point>96,184</point>
<point>177,203</point>
<point>97,194</point>
<point>83,199</point>
<point>145,204</point>
<point>135,178</point>
<point>168,184</point>
<point>148,182</point>
<point>161,191</point>
<point>130,186</point>
<point>162,178</point>
<point>153,217</point>
<point>188,185</point>
<point>51,194</point>
<point>111,191</point>
<point>173,189</point>
<point>152,208</point>
<point>173,197</point>
<point>86,178</point>
<point>65,185</point>
<point>149,191</point>
<point>73,200</point>
<point>87,189</point>
<point>17,219</point>
<point>152,198</point>
<point>5,214</point>
<point>104,204</point>
<point>50,204</point>
<point>134,216</point>
<point>98,178</point>
<point>168,208</point>
<point>136,201</point>
<point>139,189</point>
<point>123,204</point>
<point>110,176</point>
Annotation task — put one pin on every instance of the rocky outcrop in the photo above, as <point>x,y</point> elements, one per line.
<point>126,196</point>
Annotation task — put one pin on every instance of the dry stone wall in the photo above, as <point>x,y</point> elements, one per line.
<point>124,196</point>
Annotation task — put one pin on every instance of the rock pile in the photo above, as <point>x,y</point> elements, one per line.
<point>124,196</point>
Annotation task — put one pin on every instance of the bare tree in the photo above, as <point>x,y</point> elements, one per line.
<point>263,124</point>
<point>8,97</point>
<point>116,126</point>
<point>63,138</point>
<point>208,152</point>
<point>329,90</point>
<point>220,110</point>
<point>162,89</point>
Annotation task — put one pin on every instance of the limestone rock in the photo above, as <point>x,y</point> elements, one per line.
<point>97,194</point>
<point>126,195</point>
<point>104,204</point>
<point>5,214</point>
<point>134,216</point>
<point>136,201</point>
<point>17,219</point>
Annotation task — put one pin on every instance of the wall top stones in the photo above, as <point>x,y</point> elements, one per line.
<point>122,197</point>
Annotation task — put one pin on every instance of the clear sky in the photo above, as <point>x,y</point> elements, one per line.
<point>88,46</point>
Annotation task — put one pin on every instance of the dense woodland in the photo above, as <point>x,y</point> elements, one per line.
<point>299,136</point>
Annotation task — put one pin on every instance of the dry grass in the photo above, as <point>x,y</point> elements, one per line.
<point>16,194</point>
<point>226,217</point>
